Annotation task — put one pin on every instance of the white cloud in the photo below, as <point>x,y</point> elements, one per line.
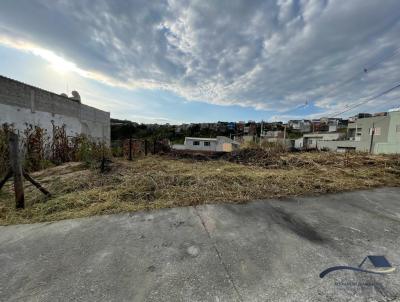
<point>273,55</point>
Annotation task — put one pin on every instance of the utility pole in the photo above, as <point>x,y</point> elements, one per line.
<point>372,137</point>
<point>284,133</point>
<point>18,172</point>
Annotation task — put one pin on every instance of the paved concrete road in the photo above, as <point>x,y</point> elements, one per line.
<point>261,251</point>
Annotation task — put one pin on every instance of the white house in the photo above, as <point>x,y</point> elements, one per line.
<point>313,140</point>
<point>218,144</point>
<point>376,134</point>
<point>302,126</point>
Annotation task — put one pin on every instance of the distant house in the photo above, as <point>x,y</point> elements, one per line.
<point>240,127</point>
<point>274,134</point>
<point>302,126</point>
<point>313,140</point>
<point>218,144</point>
<point>243,139</point>
<point>385,138</point>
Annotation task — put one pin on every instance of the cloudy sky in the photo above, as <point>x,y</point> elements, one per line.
<point>191,61</point>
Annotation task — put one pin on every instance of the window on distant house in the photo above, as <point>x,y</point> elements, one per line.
<point>206,144</point>
<point>397,128</point>
<point>377,131</point>
<point>196,143</point>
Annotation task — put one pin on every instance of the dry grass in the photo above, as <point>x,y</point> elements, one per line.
<point>160,182</point>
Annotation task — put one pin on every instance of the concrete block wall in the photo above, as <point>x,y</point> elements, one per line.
<point>22,104</point>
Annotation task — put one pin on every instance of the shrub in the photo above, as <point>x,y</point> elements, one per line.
<point>40,151</point>
<point>274,147</point>
<point>3,149</point>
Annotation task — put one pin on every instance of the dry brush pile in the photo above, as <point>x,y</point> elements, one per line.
<point>314,159</point>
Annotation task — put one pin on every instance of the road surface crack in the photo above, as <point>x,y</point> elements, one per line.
<point>229,275</point>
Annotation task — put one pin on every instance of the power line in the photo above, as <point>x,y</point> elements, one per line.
<point>349,80</point>
<point>367,100</point>
<point>395,52</point>
<point>366,69</point>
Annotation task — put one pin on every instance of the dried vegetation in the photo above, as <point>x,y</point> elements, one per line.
<point>165,181</point>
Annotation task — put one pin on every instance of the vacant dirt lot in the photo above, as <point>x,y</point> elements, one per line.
<point>159,182</point>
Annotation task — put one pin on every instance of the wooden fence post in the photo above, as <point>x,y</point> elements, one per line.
<point>17,171</point>
<point>146,146</point>
<point>130,149</point>
<point>36,184</point>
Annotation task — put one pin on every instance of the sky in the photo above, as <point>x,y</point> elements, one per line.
<point>170,61</point>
